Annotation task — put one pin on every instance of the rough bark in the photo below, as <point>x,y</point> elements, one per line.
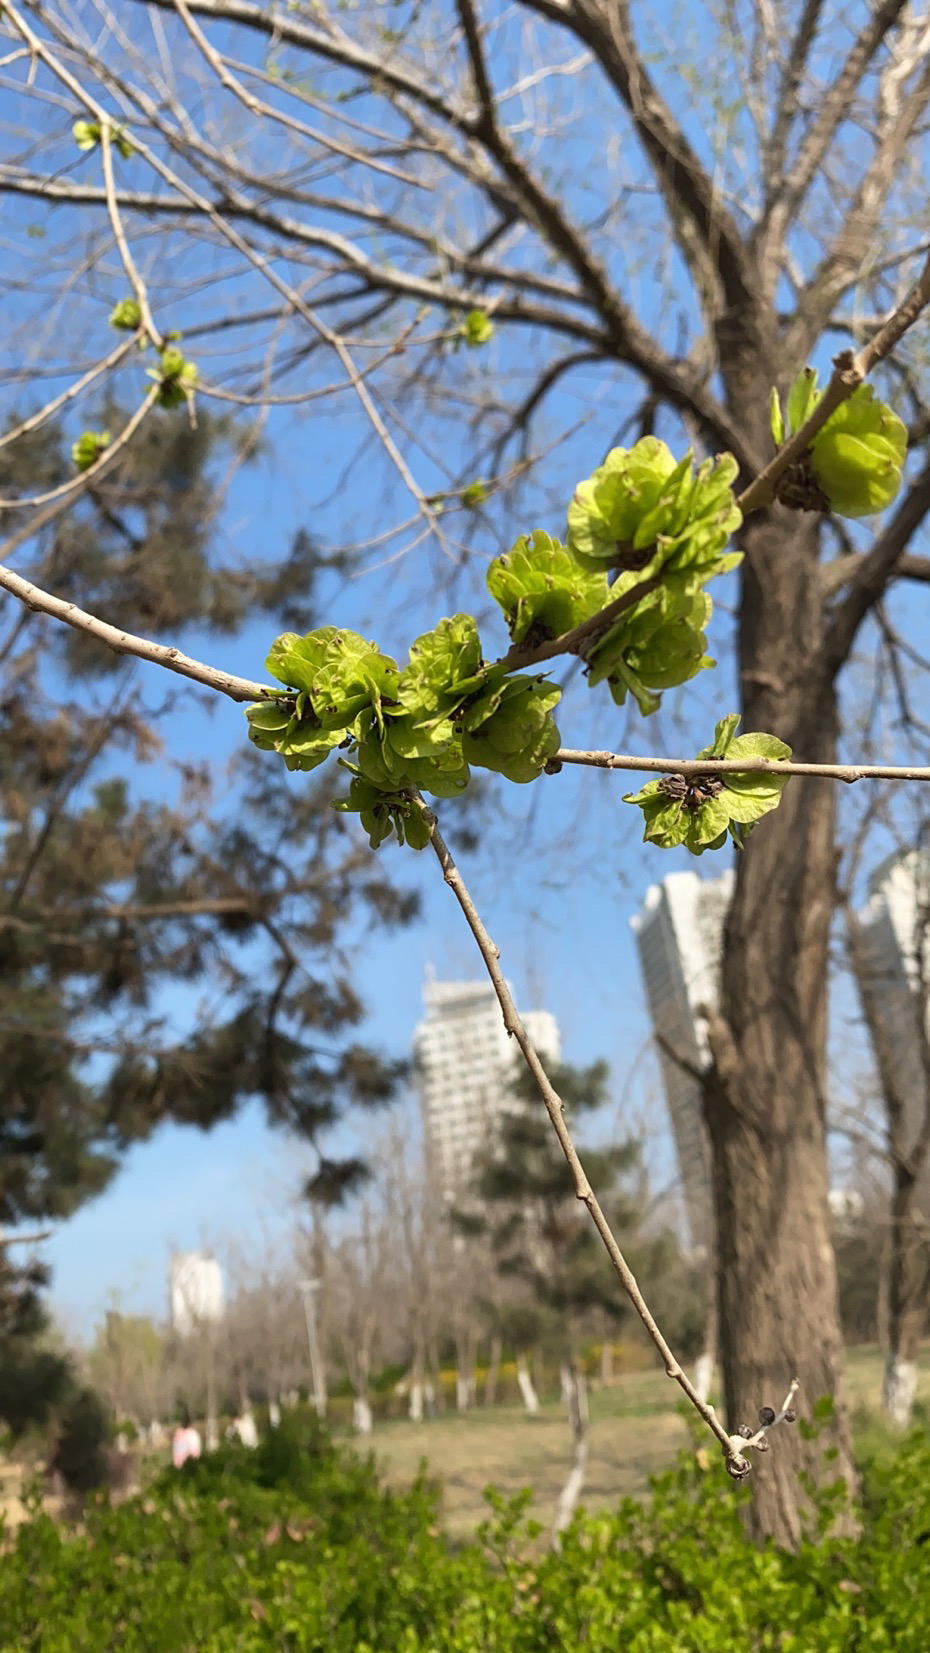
<point>764,1102</point>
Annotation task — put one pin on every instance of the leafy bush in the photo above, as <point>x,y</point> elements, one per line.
<point>298,1547</point>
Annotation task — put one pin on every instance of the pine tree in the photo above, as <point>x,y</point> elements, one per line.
<point>109,892</point>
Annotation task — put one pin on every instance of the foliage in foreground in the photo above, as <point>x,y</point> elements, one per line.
<point>298,1547</point>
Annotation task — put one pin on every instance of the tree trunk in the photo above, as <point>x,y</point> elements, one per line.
<point>765,1096</point>
<point>361,1414</point>
<point>907,1302</point>
<point>526,1386</point>
<point>493,1372</point>
<point>576,1398</point>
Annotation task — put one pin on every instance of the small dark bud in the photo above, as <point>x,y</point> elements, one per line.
<point>738,1472</point>
<point>745,1431</point>
<point>790,1416</point>
<point>762,1445</point>
<point>766,1415</point>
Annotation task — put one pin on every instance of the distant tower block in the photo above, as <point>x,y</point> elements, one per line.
<point>679,934</point>
<point>195,1285</point>
<point>465,1066</point>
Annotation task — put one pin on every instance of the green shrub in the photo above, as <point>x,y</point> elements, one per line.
<point>298,1547</point>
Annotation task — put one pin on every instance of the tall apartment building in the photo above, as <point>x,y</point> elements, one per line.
<point>465,1066</point>
<point>679,935</point>
<point>891,924</point>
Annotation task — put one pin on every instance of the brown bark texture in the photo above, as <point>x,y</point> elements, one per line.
<point>765,1099</point>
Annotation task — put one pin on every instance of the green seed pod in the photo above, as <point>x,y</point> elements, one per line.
<point>858,455</point>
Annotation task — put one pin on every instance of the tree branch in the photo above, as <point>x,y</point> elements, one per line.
<point>833,109</point>
<point>733,1446</point>
<point>840,268</point>
<point>834,575</point>
<point>848,772</point>
<point>706,233</point>
<point>125,642</point>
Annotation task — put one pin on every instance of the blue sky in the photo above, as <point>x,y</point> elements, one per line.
<point>561,868</point>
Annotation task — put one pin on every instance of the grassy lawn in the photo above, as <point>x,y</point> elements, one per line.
<point>635,1429</point>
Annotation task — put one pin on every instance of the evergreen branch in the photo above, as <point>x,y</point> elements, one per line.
<point>733,1446</point>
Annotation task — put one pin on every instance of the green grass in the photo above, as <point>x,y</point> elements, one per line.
<point>636,1426</point>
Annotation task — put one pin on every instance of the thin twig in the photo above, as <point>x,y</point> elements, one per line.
<point>78,484</point>
<point>138,286</point>
<point>733,1446</point>
<point>41,414</point>
<point>125,642</point>
<point>848,772</point>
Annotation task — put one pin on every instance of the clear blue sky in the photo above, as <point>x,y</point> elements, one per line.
<point>557,878</point>
<point>561,868</point>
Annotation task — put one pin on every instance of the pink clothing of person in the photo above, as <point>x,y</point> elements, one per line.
<point>185,1443</point>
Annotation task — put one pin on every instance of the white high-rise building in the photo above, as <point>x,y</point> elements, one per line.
<point>465,1065</point>
<point>679,935</point>
<point>891,925</point>
<point>195,1288</point>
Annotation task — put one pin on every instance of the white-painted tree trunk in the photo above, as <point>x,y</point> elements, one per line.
<point>577,1402</point>
<point>525,1385</point>
<point>898,1390</point>
<point>704,1373</point>
<point>415,1410</point>
<point>361,1415</point>
<point>464,1390</point>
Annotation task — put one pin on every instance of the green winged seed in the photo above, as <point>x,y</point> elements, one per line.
<point>641,500</point>
<point>858,456</point>
<point>543,590</point>
<point>700,812</point>
<point>856,459</point>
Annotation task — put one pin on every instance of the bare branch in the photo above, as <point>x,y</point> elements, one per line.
<point>849,772</point>
<point>733,1446</point>
<point>786,98</point>
<point>124,642</point>
<point>35,420</point>
<point>833,109</point>
<point>709,238</point>
<point>841,570</point>
<point>845,259</point>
